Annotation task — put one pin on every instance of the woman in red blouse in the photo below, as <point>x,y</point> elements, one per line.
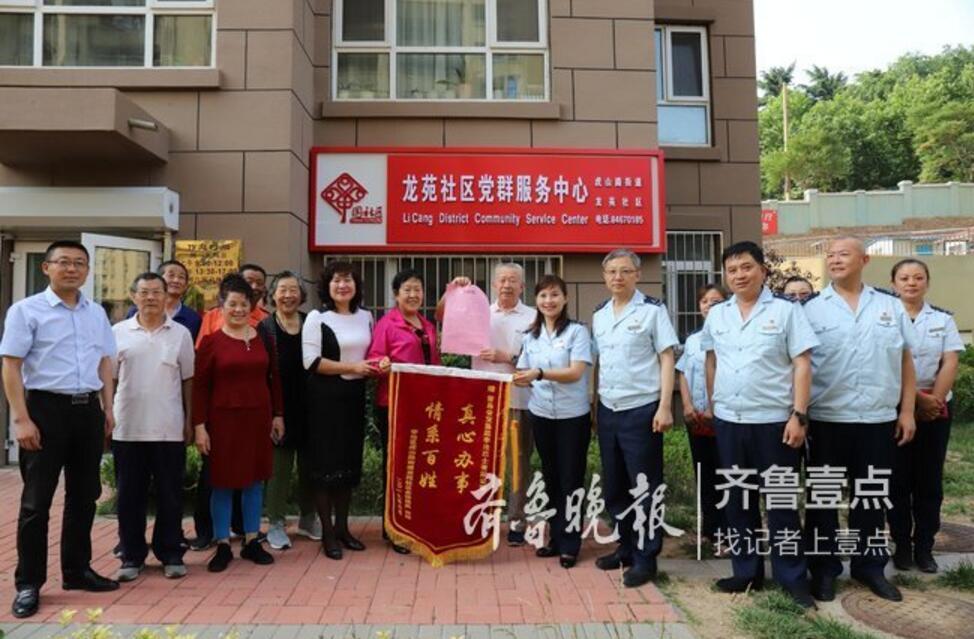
<point>237,410</point>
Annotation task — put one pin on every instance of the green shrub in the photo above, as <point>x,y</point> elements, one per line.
<point>964,392</point>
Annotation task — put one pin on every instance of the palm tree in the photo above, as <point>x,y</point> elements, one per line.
<point>773,79</point>
<point>823,85</point>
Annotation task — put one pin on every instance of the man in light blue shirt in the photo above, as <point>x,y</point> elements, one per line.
<point>634,340</point>
<point>863,394</point>
<point>57,374</point>
<point>758,378</point>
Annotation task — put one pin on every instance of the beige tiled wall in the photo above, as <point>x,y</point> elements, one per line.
<point>239,154</point>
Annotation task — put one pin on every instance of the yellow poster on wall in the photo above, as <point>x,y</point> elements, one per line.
<point>208,261</point>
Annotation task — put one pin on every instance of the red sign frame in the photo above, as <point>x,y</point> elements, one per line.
<point>611,236</point>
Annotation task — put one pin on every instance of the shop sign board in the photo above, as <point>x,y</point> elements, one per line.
<point>485,200</point>
<point>207,261</point>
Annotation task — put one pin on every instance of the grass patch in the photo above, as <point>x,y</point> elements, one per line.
<point>960,577</point>
<point>773,615</point>
<point>912,582</point>
<point>959,472</point>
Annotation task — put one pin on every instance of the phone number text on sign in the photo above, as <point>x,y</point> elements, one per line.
<point>580,202</point>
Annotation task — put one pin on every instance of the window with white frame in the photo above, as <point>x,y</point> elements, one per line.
<point>440,50</point>
<point>107,33</point>
<point>682,85</point>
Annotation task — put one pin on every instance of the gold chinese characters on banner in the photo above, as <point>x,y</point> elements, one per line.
<point>208,261</point>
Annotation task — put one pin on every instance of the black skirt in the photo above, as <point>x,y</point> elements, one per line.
<point>335,430</point>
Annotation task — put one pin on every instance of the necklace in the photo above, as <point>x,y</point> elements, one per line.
<point>245,338</point>
<point>284,324</point>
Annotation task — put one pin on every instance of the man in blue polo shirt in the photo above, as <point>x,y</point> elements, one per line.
<point>57,374</point>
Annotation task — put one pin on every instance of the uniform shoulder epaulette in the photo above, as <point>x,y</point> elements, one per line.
<point>784,297</point>
<point>942,310</point>
<point>810,297</point>
<point>603,303</point>
<point>887,291</point>
<point>649,299</point>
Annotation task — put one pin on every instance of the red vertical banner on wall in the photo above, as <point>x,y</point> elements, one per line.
<point>446,441</point>
<point>769,222</point>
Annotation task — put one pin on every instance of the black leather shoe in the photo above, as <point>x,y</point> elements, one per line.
<point>221,559</point>
<point>350,542</point>
<point>546,551</point>
<point>823,588</point>
<point>800,595</point>
<point>635,577</point>
<point>331,547</point>
<point>515,538</point>
<point>612,561</point>
<point>880,586</point>
<point>567,561</point>
<point>739,584</point>
<point>25,603</point>
<point>402,550</point>
<point>925,561</point>
<point>253,551</point>
<point>91,581</point>
<point>902,558</point>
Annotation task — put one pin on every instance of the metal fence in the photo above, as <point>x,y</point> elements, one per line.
<point>438,270</point>
<point>692,260</point>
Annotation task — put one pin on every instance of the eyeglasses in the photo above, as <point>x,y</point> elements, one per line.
<point>66,263</point>
<point>625,272</point>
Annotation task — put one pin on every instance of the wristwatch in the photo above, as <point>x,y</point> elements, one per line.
<point>802,418</point>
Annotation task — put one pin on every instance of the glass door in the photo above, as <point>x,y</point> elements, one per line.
<point>115,262</point>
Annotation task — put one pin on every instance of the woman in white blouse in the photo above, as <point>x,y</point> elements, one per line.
<point>334,342</point>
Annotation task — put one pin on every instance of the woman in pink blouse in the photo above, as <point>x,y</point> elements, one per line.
<point>403,336</point>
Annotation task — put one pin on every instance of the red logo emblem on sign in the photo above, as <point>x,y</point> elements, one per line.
<point>343,194</point>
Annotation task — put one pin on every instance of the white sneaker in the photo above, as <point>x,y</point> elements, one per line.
<point>174,571</point>
<point>129,572</point>
<point>276,536</point>
<point>310,527</point>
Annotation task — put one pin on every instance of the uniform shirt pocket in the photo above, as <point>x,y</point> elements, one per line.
<point>170,356</point>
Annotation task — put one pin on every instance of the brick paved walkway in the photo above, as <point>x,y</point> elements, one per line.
<point>370,589</point>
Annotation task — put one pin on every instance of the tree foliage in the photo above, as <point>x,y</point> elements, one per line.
<point>912,121</point>
<point>774,79</point>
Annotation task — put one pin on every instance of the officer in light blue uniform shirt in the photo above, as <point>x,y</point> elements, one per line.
<point>554,360</point>
<point>863,396</point>
<point>917,490</point>
<point>759,376</point>
<point>633,339</point>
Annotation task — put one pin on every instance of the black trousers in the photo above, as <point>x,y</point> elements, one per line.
<point>855,447</point>
<point>382,424</point>
<point>72,439</point>
<point>629,447</point>
<point>917,490</point>
<point>758,447</point>
<point>703,450</point>
<point>138,464</point>
<point>563,447</point>
<point>202,519</point>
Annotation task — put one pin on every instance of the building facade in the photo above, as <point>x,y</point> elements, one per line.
<point>132,123</point>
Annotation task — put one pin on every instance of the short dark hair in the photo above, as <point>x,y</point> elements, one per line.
<point>339,267</point>
<point>235,283</point>
<point>148,276</point>
<point>797,278</point>
<point>712,286</point>
<point>65,244</point>
<point>743,248</point>
<point>562,321</point>
<point>403,276</point>
<point>252,267</point>
<point>162,267</point>
<point>906,262</point>
<point>289,275</point>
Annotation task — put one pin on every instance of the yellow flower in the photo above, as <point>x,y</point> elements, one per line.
<point>67,616</point>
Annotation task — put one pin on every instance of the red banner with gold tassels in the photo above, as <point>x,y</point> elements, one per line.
<point>447,429</point>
